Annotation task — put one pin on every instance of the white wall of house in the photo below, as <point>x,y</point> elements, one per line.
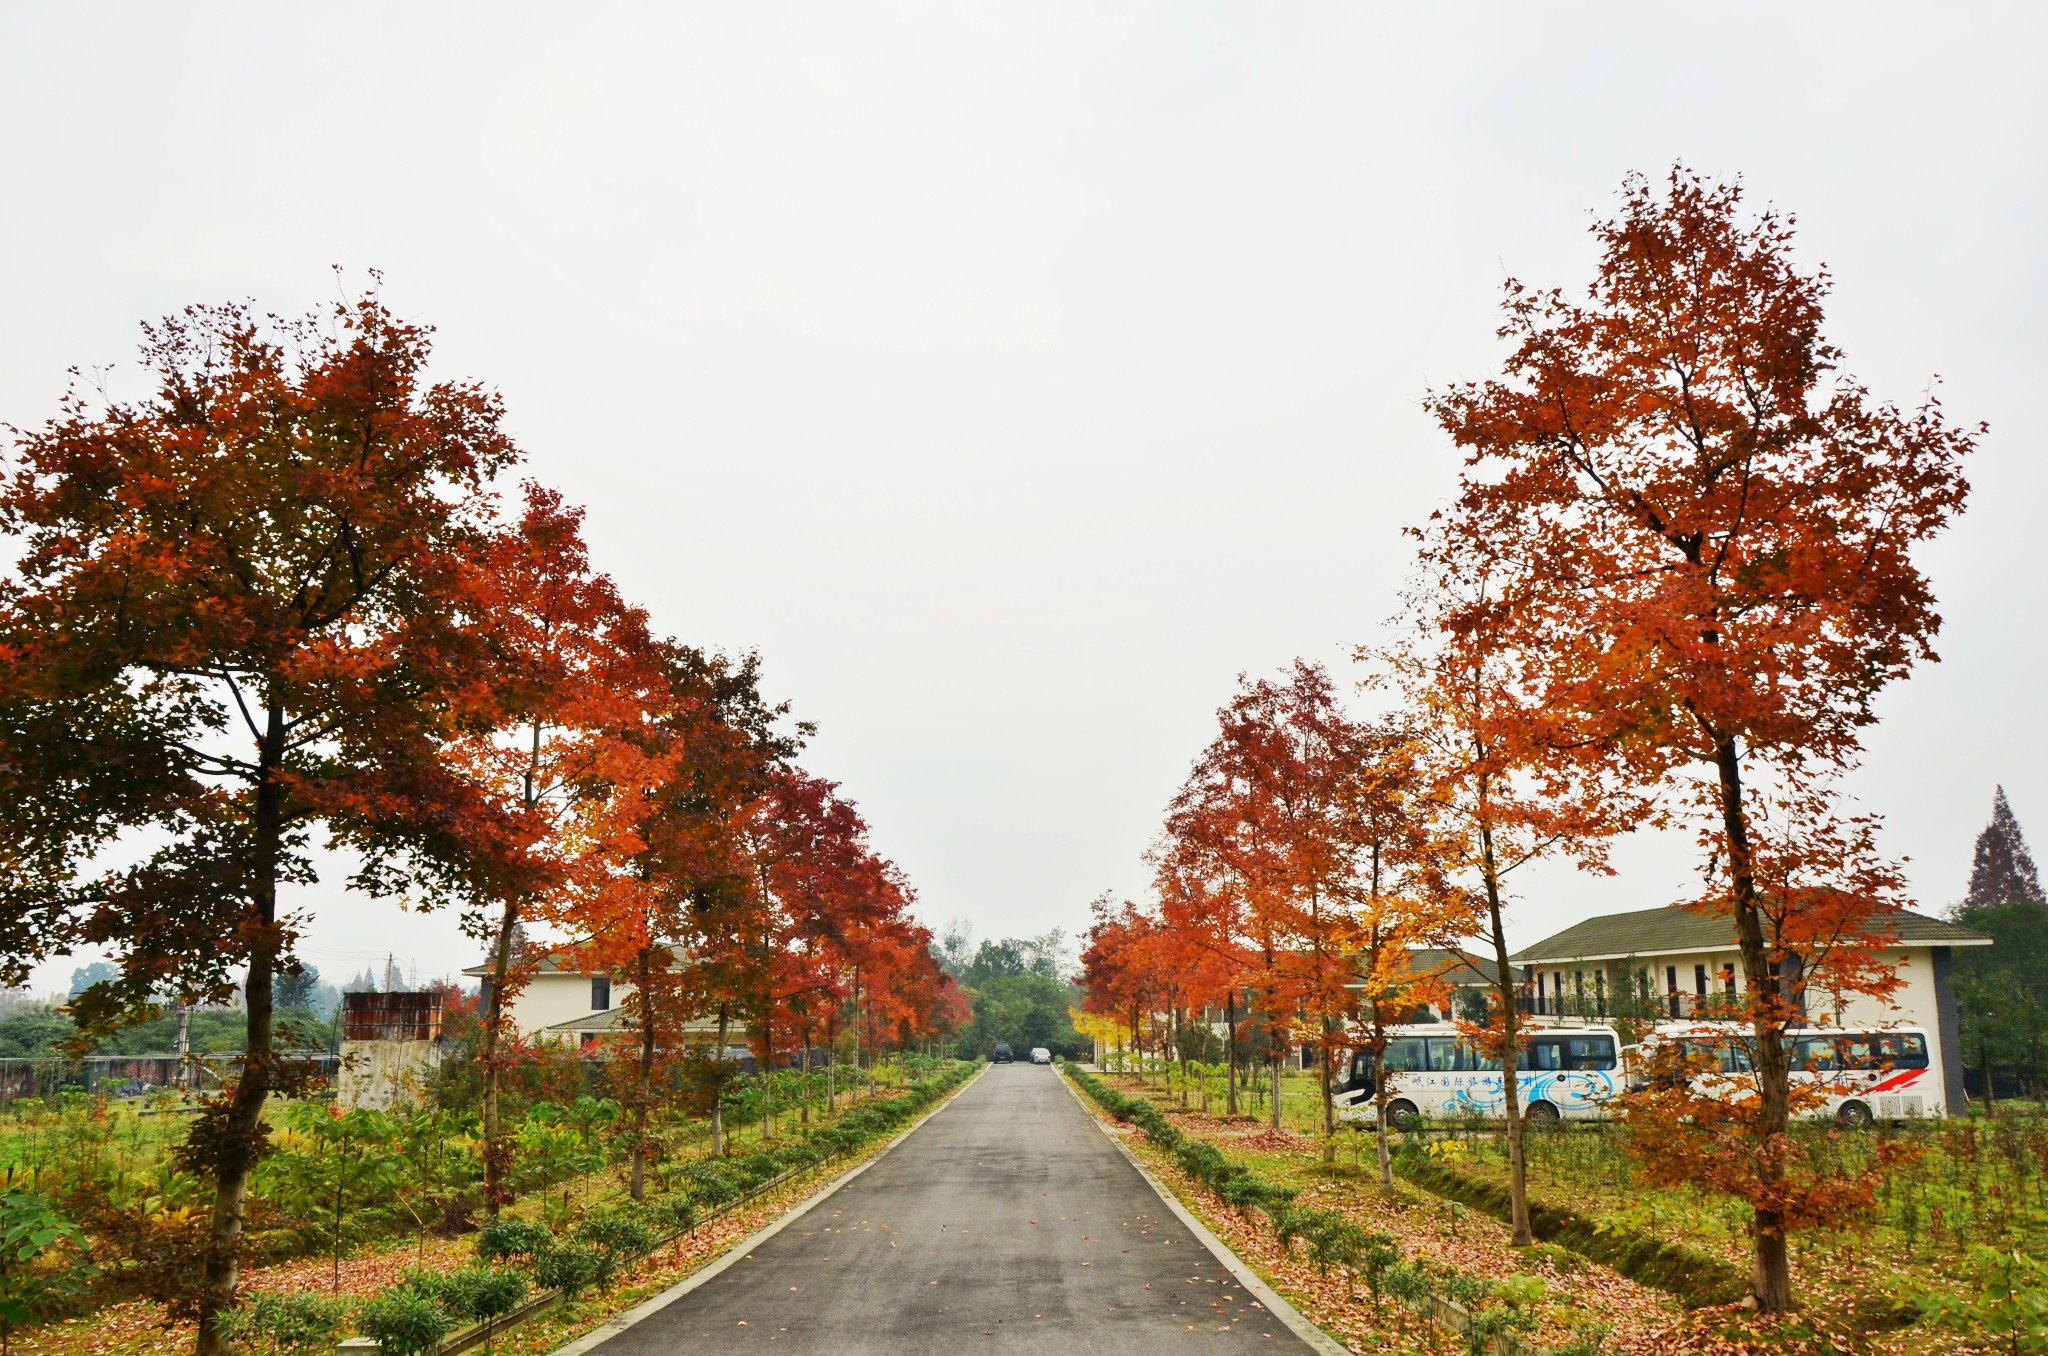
<point>556,996</point>
<point>1913,1004</point>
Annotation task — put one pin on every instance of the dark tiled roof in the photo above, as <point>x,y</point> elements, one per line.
<point>1657,932</point>
<point>1456,966</point>
<point>617,1019</point>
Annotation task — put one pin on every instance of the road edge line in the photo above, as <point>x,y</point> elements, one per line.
<point>1235,1265</point>
<point>647,1308</point>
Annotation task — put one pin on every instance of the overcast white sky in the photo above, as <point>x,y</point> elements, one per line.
<point>1014,376</point>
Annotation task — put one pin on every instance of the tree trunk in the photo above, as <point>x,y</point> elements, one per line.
<point>1511,1025</point>
<point>1771,1278</point>
<point>856,1028</point>
<point>494,1153</point>
<point>1329,1099</point>
<point>1279,1058</point>
<point>644,1093</point>
<point>241,1129</point>
<point>804,1116</point>
<point>1379,1103</point>
<point>718,1096</point>
<point>1180,1051</point>
<point>767,1068</point>
<point>1230,1051</point>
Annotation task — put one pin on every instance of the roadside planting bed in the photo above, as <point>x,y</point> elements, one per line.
<point>583,1237</point>
<point>1941,1230</point>
<point>1583,1305</point>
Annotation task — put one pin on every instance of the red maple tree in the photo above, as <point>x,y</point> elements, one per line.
<point>561,714</point>
<point>236,618</point>
<point>1703,537</point>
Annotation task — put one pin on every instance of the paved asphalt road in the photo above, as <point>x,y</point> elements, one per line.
<point>1007,1223</point>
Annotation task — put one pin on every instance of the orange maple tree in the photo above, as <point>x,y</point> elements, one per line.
<point>1503,783</point>
<point>1403,903</point>
<point>1274,860</point>
<point>562,714</point>
<point>235,618</point>
<point>648,845</point>
<point>1703,537</point>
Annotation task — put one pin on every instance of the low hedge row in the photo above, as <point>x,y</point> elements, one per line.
<point>1491,1315</point>
<point>1333,1237</point>
<point>1696,1278</point>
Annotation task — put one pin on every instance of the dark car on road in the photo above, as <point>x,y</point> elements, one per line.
<point>1002,1055</point>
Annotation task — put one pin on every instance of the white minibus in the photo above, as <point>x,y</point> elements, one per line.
<point>1864,1074</point>
<point>1563,1073</point>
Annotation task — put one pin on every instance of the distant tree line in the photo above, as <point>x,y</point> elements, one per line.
<point>1016,992</point>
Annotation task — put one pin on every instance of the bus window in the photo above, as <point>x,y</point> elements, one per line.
<point>1856,1050</point>
<point>1405,1055</point>
<point>1589,1052</point>
<point>1813,1054</point>
<point>1541,1054</point>
<point>1360,1062</point>
<point>1902,1049</point>
<point>1474,1060</point>
<point>1443,1055</point>
<point>1717,1055</point>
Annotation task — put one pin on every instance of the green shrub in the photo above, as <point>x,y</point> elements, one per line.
<point>477,1293</point>
<point>1494,1321</point>
<point>673,1213</point>
<point>42,1261</point>
<point>1333,1237</point>
<point>617,1235</point>
<point>757,1168</point>
<point>1407,1282</point>
<point>2008,1300</point>
<point>1203,1162</point>
<point>513,1238</point>
<point>289,1323</point>
<point>1375,1261</point>
<point>404,1322</point>
<point>1521,1291</point>
<point>570,1268</point>
<point>1245,1192</point>
<point>709,1184</point>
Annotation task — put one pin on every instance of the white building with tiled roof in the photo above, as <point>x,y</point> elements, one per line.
<point>1691,958</point>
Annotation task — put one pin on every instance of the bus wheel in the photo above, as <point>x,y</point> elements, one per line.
<point>1402,1115</point>
<point>1854,1116</point>
<point>1543,1113</point>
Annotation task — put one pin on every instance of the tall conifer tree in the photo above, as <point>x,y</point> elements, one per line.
<point>2003,871</point>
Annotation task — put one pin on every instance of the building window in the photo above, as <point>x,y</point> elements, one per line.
<point>600,994</point>
<point>1728,978</point>
<point>1600,992</point>
<point>1671,989</point>
<point>1699,980</point>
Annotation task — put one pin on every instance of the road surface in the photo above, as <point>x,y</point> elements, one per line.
<point>1007,1223</point>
